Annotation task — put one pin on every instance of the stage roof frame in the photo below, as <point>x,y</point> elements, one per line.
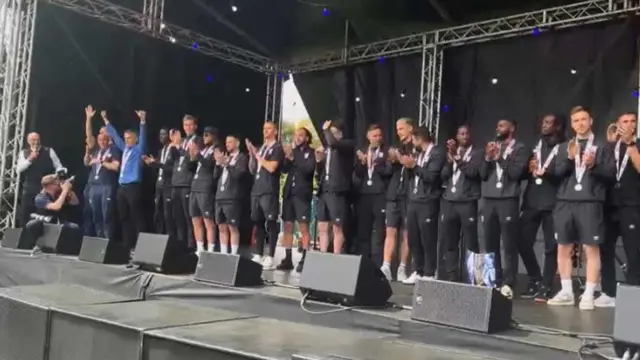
<point>578,14</point>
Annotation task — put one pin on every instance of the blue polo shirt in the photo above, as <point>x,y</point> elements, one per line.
<point>131,163</point>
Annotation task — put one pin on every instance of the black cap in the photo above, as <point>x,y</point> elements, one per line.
<point>210,130</point>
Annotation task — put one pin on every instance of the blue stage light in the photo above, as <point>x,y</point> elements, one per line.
<point>535,31</point>
<point>445,108</point>
<point>195,46</point>
<point>636,93</point>
<point>325,12</point>
<point>209,78</point>
<point>381,59</point>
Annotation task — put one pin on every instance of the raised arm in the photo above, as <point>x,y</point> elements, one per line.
<point>89,112</point>
<point>142,136</point>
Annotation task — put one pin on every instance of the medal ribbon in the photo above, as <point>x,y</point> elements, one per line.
<point>579,165</point>
<point>163,158</point>
<point>620,166</point>
<point>507,152</point>
<point>547,162</point>
<point>423,158</point>
<point>371,161</point>
<point>205,152</point>
<point>101,158</point>
<point>456,169</point>
<point>225,170</point>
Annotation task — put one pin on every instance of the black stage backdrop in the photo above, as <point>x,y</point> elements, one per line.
<point>79,60</point>
<point>535,77</point>
<point>386,90</point>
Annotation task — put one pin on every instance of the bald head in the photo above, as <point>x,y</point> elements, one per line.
<point>33,139</point>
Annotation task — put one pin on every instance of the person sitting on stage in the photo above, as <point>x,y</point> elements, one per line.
<point>229,172</point>
<point>51,205</point>
<point>585,166</point>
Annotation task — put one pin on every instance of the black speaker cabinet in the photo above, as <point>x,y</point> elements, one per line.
<point>345,279</point>
<point>115,331</point>
<point>25,314</point>
<point>461,305</point>
<point>103,251</point>
<point>18,238</point>
<point>60,239</point>
<point>626,320</point>
<point>159,253</point>
<point>231,270</point>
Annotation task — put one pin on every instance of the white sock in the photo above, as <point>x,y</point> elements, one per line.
<point>211,248</point>
<point>234,249</point>
<point>199,246</point>
<point>402,265</point>
<point>589,290</point>
<point>386,264</point>
<point>224,248</point>
<point>567,286</point>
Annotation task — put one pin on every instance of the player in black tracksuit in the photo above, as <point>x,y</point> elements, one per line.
<point>372,174</point>
<point>299,165</point>
<point>504,167</point>
<point>425,189</point>
<point>396,208</point>
<point>334,168</point>
<point>538,202</point>
<point>230,173</point>
<point>201,200</point>
<point>459,208</point>
<point>622,214</point>
<point>163,212</point>
<point>585,166</point>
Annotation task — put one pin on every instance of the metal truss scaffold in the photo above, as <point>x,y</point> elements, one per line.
<point>139,22</point>
<point>577,14</point>
<point>153,12</point>
<point>273,101</point>
<point>17,23</point>
<point>430,84</point>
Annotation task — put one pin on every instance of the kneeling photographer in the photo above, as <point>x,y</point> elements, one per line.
<point>52,205</point>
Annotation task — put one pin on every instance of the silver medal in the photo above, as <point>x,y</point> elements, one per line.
<point>257,176</point>
<point>96,177</point>
<point>538,181</point>
<point>617,185</point>
<point>326,178</point>
<point>293,184</point>
<point>453,190</point>
<point>195,176</point>
<point>222,188</point>
<point>159,178</point>
<point>415,190</point>
<point>499,185</point>
<point>179,168</point>
<point>369,182</point>
<point>578,187</point>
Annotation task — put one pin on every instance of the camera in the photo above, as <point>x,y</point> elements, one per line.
<point>63,175</point>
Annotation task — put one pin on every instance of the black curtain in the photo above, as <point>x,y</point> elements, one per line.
<point>594,66</point>
<point>79,60</point>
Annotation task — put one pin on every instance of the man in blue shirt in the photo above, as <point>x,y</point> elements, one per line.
<point>103,181</point>
<point>130,179</point>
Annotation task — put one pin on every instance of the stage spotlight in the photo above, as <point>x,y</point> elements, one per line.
<point>195,46</point>
<point>535,31</point>
<point>172,39</point>
<point>325,12</point>
<point>636,93</point>
<point>234,8</point>
<point>445,108</point>
<point>358,99</point>
<point>494,81</point>
<point>209,78</point>
<point>573,71</point>
<point>381,59</point>
<point>247,90</point>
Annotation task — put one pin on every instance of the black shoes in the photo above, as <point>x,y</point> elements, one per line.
<point>285,265</point>
<point>532,290</point>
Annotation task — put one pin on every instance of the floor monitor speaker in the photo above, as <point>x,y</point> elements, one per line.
<point>351,280</point>
<point>17,238</point>
<point>103,251</point>
<point>460,305</point>
<point>626,320</point>
<point>231,270</point>
<point>159,253</point>
<point>60,239</point>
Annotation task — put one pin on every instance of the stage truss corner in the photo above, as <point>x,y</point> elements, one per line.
<point>273,100</point>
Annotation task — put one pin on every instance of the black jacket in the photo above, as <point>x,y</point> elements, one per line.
<point>267,183</point>
<point>541,193</point>
<point>398,189</point>
<point>299,172</point>
<point>429,182</point>
<point>469,183</point>
<point>380,177</point>
<point>234,186</point>
<point>595,180</point>
<point>627,190</point>
<point>165,168</point>
<point>203,179</point>
<point>338,180</point>
<point>514,167</point>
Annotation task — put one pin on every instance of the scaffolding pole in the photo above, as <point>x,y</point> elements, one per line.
<point>16,45</point>
<point>273,100</point>
<point>153,12</point>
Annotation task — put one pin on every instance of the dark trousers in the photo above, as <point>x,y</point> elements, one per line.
<point>458,223</point>
<point>422,228</point>
<point>621,222</point>
<point>128,198</point>
<point>500,220</point>
<point>88,227</point>
<point>530,221</point>
<point>27,206</point>
<point>371,226</point>
<point>101,198</point>
<point>163,213</point>
<point>181,217</point>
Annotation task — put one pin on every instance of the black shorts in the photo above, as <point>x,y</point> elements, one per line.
<point>264,208</point>
<point>228,213</point>
<point>332,207</point>
<point>296,208</point>
<point>579,222</point>
<point>201,205</point>
<point>396,214</point>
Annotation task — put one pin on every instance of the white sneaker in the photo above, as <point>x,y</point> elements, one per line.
<point>586,303</point>
<point>605,301</point>
<point>402,273</point>
<point>411,279</point>
<point>386,270</point>
<point>257,258</point>
<point>267,263</point>
<point>199,253</point>
<point>426,278</point>
<point>562,299</point>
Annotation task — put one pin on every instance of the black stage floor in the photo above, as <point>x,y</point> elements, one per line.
<point>278,304</point>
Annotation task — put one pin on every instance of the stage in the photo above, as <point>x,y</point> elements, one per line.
<point>269,322</point>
